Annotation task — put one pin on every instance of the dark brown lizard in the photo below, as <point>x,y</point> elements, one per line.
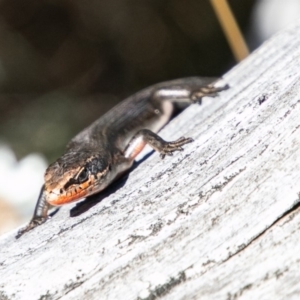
<point>107,148</point>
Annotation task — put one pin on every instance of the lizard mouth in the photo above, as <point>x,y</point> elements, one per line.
<point>58,200</point>
<point>59,196</point>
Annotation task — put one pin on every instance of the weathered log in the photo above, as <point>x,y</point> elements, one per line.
<point>219,220</point>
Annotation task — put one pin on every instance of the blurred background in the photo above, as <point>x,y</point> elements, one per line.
<point>64,63</point>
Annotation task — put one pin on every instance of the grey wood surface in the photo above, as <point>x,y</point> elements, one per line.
<point>218,221</point>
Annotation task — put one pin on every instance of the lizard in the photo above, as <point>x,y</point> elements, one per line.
<point>106,149</point>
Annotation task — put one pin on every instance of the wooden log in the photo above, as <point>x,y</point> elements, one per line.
<point>218,221</point>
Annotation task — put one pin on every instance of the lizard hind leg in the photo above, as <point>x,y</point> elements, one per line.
<point>145,136</point>
<point>210,91</point>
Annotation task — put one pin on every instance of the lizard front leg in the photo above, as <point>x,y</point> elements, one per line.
<point>145,136</point>
<point>40,214</point>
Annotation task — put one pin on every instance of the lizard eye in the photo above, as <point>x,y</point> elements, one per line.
<point>83,176</point>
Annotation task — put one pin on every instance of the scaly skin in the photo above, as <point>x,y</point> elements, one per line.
<point>107,148</point>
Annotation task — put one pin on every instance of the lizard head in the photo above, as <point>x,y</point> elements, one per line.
<point>75,176</point>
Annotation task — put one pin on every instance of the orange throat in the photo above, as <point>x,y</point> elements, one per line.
<point>58,196</point>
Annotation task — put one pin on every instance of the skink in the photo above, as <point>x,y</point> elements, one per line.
<point>107,148</point>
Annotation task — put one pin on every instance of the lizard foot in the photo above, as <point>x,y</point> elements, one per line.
<point>146,136</point>
<point>32,224</point>
<point>167,148</point>
<point>209,91</point>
